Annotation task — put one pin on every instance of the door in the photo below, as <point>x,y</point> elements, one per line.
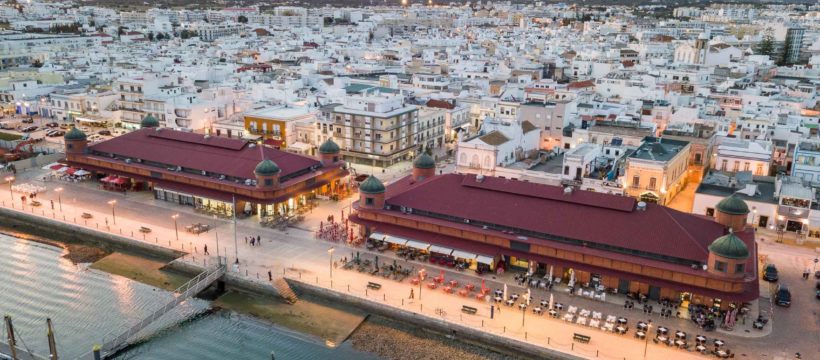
<point>623,286</point>
<point>763,221</point>
<point>654,292</point>
<point>794,226</point>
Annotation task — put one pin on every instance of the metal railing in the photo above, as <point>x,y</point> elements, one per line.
<point>187,290</point>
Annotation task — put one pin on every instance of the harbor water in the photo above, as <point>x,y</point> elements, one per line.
<point>85,305</point>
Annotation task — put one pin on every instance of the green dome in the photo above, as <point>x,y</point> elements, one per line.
<point>75,134</point>
<point>266,168</point>
<point>329,147</point>
<point>733,205</point>
<point>371,185</point>
<point>424,161</point>
<point>149,121</point>
<point>729,246</point>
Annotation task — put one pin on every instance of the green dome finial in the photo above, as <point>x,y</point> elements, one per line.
<point>149,121</point>
<point>424,161</point>
<point>75,134</point>
<point>371,185</point>
<point>266,168</point>
<point>733,205</point>
<point>329,147</point>
<point>729,246</point>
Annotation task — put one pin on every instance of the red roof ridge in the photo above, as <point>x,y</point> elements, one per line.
<point>683,228</point>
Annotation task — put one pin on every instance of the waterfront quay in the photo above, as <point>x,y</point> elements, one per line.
<point>298,256</point>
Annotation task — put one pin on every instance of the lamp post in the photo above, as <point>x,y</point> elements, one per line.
<point>10,180</point>
<point>523,315</point>
<point>420,281</point>
<point>59,192</point>
<point>113,204</point>
<point>176,229</point>
<point>330,253</point>
<point>646,338</point>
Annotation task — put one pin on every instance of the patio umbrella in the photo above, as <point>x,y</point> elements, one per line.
<point>81,172</point>
<point>552,302</point>
<point>505,291</point>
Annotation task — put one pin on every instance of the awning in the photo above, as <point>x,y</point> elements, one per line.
<point>70,171</point>
<point>484,259</point>
<point>108,178</point>
<point>53,166</point>
<point>81,172</point>
<point>395,240</point>
<point>119,181</point>
<point>440,250</point>
<point>463,255</point>
<point>417,245</point>
<point>377,236</point>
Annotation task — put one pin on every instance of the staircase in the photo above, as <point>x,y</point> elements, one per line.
<point>284,290</point>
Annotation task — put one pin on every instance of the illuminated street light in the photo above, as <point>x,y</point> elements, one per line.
<point>330,252</point>
<point>176,229</point>
<point>59,192</point>
<point>10,180</point>
<point>113,214</point>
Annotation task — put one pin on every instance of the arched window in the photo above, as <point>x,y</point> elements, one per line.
<point>487,161</point>
<point>463,159</point>
<point>475,161</point>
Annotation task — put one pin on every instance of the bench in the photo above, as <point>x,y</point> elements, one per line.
<point>144,229</point>
<point>580,338</point>
<point>469,310</point>
<point>374,286</point>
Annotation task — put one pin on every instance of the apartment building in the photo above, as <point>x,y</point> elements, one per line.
<point>375,128</point>
<point>656,171</point>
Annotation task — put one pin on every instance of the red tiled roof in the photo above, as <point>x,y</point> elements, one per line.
<point>751,289</point>
<point>441,104</point>
<point>581,84</point>
<point>586,216</point>
<point>232,157</point>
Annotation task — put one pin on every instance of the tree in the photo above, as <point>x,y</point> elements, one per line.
<point>151,36</point>
<point>160,37</point>
<point>766,45</point>
<point>185,34</point>
<point>785,58</point>
<point>37,63</point>
<point>242,19</point>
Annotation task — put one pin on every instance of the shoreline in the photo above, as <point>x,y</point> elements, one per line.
<point>412,333</point>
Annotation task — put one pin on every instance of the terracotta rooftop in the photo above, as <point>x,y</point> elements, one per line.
<point>494,138</point>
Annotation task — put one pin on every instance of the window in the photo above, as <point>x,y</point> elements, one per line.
<point>368,201</point>
<point>720,266</point>
<point>746,166</point>
<point>268,182</point>
<point>652,182</point>
<point>710,211</point>
<point>723,165</point>
<point>759,170</point>
<point>636,181</point>
<point>739,268</point>
<point>566,170</point>
<point>698,159</point>
<point>736,167</point>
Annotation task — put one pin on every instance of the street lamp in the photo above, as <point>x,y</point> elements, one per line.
<point>113,214</point>
<point>59,192</point>
<point>420,281</point>
<point>176,229</point>
<point>646,337</point>
<point>330,252</point>
<point>10,179</point>
<point>523,314</point>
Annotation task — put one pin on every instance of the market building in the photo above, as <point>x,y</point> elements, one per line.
<point>214,174</point>
<point>496,224</point>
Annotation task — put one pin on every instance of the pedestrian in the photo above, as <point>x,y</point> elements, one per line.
<point>106,221</point>
<point>498,308</point>
<point>246,240</point>
<point>412,294</point>
<point>258,239</point>
<point>206,249</point>
<point>252,241</point>
<point>52,204</point>
<point>270,276</point>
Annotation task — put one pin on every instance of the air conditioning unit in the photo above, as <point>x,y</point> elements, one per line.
<point>127,161</point>
<point>466,221</point>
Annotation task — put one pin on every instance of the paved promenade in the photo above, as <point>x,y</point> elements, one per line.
<point>296,254</point>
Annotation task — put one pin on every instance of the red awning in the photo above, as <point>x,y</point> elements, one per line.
<point>274,143</point>
<point>71,171</point>
<point>119,181</point>
<point>107,179</point>
<point>56,166</point>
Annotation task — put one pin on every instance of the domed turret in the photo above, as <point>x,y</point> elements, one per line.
<point>730,246</point>
<point>75,141</point>
<point>728,255</point>
<point>371,193</point>
<point>267,175</point>
<point>329,152</point>
<point>371,185</point>
<point>149,121</point>
<point>732,212</point>
<point>424,167</point>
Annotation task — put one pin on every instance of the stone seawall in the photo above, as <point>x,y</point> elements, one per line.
<point>462,333</point>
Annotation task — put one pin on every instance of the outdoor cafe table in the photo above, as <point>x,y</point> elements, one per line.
<point>510,302</point>
<point>544,303</point>
<point>469,287</point>
<point>448,289</point>
<point>642,325</point>
<point>662,329</point>
<point>499,293</point>
<point>701,348</point>
<point>622,320</point>
<point>662,338</point>
<point>680,342</point>
<point>621,329</point>
<point>432,285</point>
<point>559,306</point>
<point>498,299</point>
<point>537,310</point>
<point>414,281</point>
<point>522,306</point>
<point>719,343</point>
<point>640,334</point>
<point>721,353</point>
<point>514,296</point>
<point>453,283</point>
<point>700,338</point>
<point>463,292</point>
<point>680,334</point>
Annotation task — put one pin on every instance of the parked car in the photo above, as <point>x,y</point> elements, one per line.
<point>65,126</point>
<point>29,129</point>
<point>782,296</point>
<point>104,132</point>
<point>52,124</point>
<point>770,273</point>
<point>28,121</point>
<point>55,133</point>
